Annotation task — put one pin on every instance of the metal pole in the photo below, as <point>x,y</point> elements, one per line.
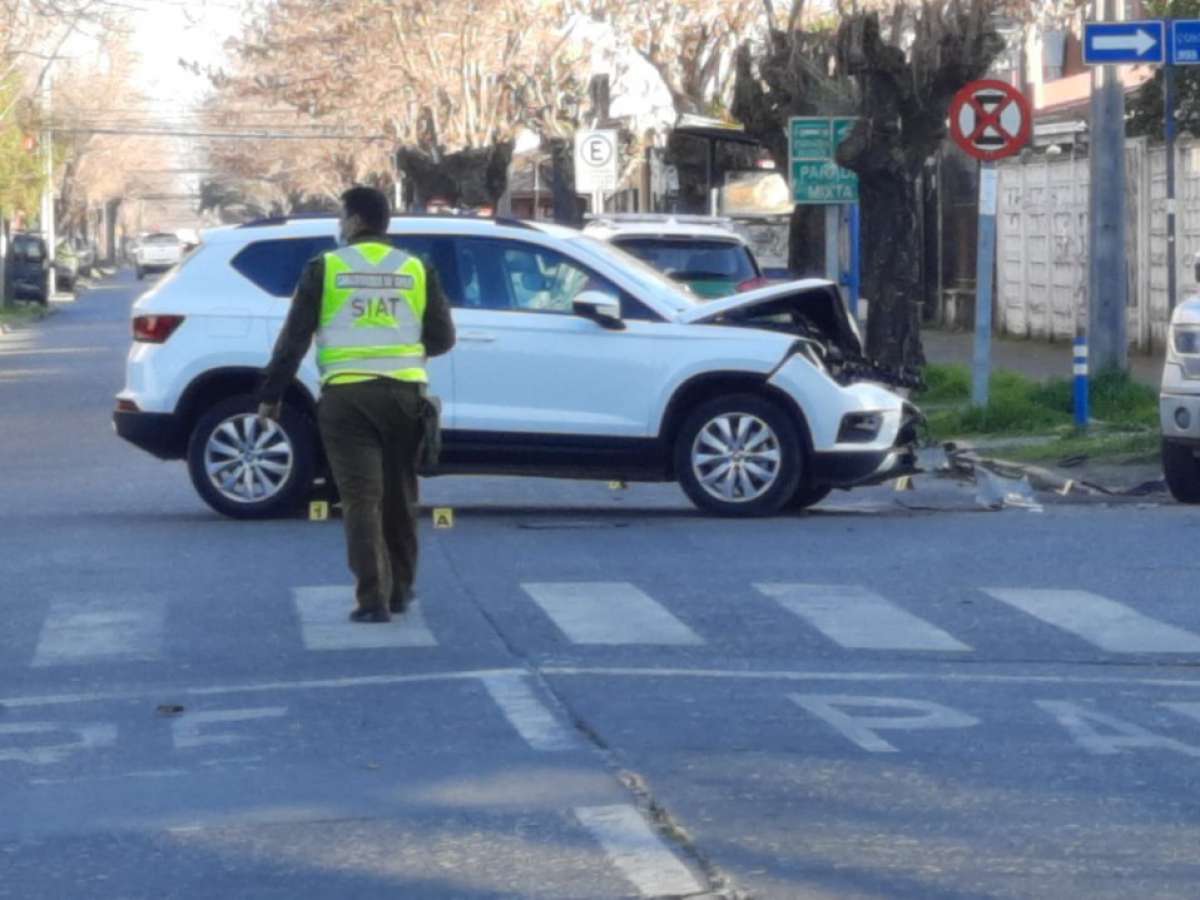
<point>1108,288</point>
<point>985,264</point>
<point>833,225</point>
<point>1170,99</point>
<point>855,285</point>
<point>1081,382</point>
<point>48,195</point>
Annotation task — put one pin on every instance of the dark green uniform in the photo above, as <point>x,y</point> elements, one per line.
<point>374,326</point>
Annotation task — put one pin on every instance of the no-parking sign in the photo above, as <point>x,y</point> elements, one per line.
<point>990,120</point>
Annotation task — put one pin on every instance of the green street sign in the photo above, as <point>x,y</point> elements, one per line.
<point>816,178</point>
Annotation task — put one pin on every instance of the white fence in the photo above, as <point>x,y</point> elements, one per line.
<point>1042,264</point>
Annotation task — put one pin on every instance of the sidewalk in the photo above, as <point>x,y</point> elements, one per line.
<point>1037,359</point>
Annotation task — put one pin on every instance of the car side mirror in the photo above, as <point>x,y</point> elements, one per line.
<point>601,308</point>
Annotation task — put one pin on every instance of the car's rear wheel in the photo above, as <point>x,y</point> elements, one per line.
<point>251,468</point>
<point>141,273</point>
<point>739,455</point>
<point>1182,471</point>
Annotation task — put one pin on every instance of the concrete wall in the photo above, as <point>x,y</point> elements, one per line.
<point>1042,242</point>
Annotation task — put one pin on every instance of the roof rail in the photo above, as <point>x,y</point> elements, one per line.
<point>284,219</point>
<point>506,221</point>
<point>658,219</point>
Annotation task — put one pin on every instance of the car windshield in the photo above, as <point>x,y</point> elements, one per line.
<point>649,280</point>
<point>692,259</point>
<point>161,239</point>
<point>30,248</point>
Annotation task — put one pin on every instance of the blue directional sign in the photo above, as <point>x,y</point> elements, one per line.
<point>1185,47</point>
<point>1116,43</point>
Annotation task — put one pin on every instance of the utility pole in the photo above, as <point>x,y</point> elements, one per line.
<point>1108,281</point>
<point>48,191</point>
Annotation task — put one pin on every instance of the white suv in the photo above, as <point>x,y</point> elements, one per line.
<point>1179,402</point>
<point>574,360</point>
<point>157,253</point>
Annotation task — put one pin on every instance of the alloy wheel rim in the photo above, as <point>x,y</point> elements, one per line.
<point>736,457</point>
<point>248,459</point>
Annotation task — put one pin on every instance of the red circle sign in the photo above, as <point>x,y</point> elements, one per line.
<point>990,120</point>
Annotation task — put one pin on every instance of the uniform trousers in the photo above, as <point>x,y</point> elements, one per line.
<point>372,434</point>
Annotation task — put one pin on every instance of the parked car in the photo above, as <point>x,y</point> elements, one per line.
<point>1179,401</point>
<point>702,252</point>
<point>157,253</point>
<point>29,267</point>
<point>574,360</point>
<point>85,251</point>
<point>66,265</point>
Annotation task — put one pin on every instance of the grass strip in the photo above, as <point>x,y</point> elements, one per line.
<point>1018,405</point>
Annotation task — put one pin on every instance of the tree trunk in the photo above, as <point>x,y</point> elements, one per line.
<point>469,178</point>
<point>891,271</point>
<point>567,209</point>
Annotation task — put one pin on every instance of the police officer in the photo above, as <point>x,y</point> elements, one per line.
<point>376,314</point>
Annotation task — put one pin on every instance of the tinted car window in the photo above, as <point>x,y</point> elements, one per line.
<point>687,259</point>
<point>275,266</point>
<point>162,239</point>
<point>524,277</point>
<point>28,248</point>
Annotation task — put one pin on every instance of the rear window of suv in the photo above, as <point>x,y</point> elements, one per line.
<point>275,265</point>
<point>688,259</point>
<point>162,239</point>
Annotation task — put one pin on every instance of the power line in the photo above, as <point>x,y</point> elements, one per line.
<point>224,135</point>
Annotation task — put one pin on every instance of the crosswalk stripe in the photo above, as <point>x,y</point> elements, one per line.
<point>324,623</point>
<point>528,715</point>
<point>609,612</point>
<point>99,628</point>
<point>1105,623</point>
<point>859,619</point>
<point>637,851</point>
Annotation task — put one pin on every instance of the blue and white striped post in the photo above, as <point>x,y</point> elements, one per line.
<point>1081,382</point>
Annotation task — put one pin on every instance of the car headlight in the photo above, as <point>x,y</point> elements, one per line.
<point>1186,339</point>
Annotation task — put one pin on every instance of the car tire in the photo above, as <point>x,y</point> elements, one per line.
<point>739,455</point>
<point>1181,468</point>
<point>809,495</point>
<point>281,469</point>
<point>141,273</point>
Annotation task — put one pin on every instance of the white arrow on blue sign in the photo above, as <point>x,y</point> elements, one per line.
<point>1110,43</point>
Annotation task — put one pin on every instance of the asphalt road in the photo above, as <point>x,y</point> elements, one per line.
<point>602,694</point>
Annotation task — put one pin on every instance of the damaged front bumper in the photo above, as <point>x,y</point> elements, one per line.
<point>856,468</point>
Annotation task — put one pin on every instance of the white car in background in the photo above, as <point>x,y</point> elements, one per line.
<point>703,253</point>
<point>157,253</point>
<point>1179,401</point>
<point>574,360</point>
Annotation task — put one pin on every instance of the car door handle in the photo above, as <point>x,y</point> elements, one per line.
<point>477,337</point>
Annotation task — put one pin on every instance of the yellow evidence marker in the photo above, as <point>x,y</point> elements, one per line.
<point>905,483</point>
<point>443,517</point>
<point>617,486</point>
<point>318,511</point>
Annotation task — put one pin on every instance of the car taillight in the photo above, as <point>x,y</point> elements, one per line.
<point>155,329</point>
<point>752,284</point>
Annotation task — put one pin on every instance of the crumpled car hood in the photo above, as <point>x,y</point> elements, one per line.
<point>812,309</point>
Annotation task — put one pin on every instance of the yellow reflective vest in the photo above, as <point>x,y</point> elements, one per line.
<point>372,307</point>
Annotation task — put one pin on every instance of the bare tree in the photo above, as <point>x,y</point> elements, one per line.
<point>690,43</point>
<point>438,77</point>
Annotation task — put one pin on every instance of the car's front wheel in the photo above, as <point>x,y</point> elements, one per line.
<point>739,455</point>
<point>251,468</point>
<point>809,495</point>
<point>1181,469</point>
